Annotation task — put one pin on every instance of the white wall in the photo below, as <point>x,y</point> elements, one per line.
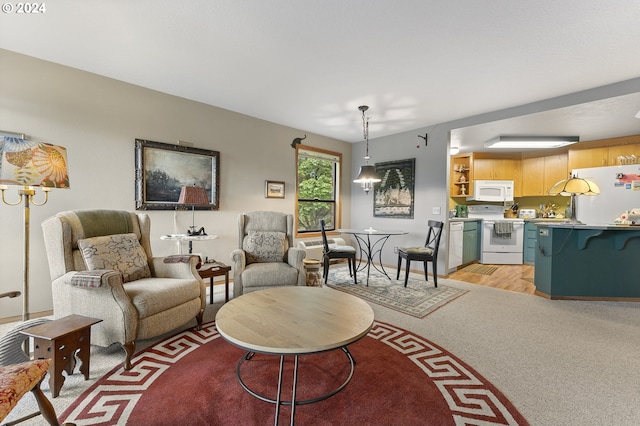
<point>98,119</point>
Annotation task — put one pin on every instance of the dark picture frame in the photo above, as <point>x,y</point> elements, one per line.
<point>273,189</point>
<point>162,169</point>
<point>394,196</point>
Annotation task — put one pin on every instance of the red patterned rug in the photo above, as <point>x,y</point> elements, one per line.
<point>400,379</point>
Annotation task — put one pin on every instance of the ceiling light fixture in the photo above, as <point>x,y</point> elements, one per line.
<point>454,150</point>
<point>367,176</point>
<point>530,142</point>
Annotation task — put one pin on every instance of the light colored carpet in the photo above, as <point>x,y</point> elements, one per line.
<point>559,362</point>
<point>419,298</point>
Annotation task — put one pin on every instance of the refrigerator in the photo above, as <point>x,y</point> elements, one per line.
<point>619,192</point>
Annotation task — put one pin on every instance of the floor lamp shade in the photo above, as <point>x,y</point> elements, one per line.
<point>30,163</point>
<point>27,164</point>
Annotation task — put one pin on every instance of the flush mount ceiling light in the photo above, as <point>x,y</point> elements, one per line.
<point>530,142</point>
<point>454,150</point>
<point>367,176</point>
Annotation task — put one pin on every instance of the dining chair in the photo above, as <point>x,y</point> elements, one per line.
<point>428,253</point>
<point>337,252</point>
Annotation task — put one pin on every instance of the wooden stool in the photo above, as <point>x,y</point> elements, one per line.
<point>60,340</point>
<point>216,270</point>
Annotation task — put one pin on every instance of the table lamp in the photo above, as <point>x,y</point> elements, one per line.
<point>193,196</point>
<point>574,186</point>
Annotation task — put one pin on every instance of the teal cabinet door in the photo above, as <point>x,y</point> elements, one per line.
<point>470,242</point>
<point>530,243</point>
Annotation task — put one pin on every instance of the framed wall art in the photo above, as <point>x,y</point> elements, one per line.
<point>273,189</point>
<point>394,194</point>
<point>163,169</point>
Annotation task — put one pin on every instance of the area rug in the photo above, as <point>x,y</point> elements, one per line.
<point>480,269</point>
<point>190,379</point>
<point>418,299</point>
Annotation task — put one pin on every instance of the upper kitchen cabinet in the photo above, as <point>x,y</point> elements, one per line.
<point>495,168</point>
<point>532,173</point>
<point>591,157</point>
<point>606,152</point>
<point>555,169</point>
<point>461,175</point>
<point>624,154</point>
<point>539,174</point>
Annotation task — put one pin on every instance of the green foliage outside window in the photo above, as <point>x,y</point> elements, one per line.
<point>316,193</point>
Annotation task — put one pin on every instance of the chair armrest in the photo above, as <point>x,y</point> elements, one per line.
<point>295,257</point>
<point>108,301</point>
<point>238,263</point>
<point>185,268</point>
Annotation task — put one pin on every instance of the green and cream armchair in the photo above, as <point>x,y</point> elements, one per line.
<point>101,266</point>
<point>265,256</point>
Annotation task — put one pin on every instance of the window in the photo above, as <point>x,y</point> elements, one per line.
<point>317,183</point>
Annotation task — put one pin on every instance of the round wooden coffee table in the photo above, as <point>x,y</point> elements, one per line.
<point>294,321</point>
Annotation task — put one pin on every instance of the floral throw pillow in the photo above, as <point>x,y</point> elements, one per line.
<point>120,252</point>
<point>265,246</point>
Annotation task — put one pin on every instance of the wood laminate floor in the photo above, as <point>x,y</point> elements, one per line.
<point>518,278</point>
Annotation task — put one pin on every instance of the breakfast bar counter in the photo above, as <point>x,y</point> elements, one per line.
<point>587,262</point>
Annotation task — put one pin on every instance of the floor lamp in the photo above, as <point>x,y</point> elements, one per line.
<point>27,164</point>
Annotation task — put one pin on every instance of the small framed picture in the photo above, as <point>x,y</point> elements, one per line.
<point>273,189</point>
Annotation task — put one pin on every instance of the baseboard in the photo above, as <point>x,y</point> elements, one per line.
<point>17,318</point>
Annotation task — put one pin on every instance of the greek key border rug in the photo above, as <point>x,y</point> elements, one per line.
<point>418,299</point>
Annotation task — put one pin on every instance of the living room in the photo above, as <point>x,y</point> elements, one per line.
<point>98,119</point>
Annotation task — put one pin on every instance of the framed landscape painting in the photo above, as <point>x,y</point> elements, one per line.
<point>394,195</point>
<point>163,169</point>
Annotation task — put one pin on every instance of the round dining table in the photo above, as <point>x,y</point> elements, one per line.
<point>368,249</point>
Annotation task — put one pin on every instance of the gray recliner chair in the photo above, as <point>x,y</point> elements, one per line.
<point>265,257</point>
<point>101,266</point>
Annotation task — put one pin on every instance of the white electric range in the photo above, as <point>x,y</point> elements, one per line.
<point>502,238</point>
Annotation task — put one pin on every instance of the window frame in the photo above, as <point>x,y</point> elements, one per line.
<point>337,198</point>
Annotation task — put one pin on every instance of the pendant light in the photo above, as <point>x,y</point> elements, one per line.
<point>367,176</point>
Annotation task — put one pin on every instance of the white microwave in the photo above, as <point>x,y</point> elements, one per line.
<point>492,190</point>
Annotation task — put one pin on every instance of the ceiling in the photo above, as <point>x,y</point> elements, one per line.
<point>310,64</point>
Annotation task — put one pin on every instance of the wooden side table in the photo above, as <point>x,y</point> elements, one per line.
<point>60,340</point>
<point>216,270</point>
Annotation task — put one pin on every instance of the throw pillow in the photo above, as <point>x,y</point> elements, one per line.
<point>265,246</point>
<point>121,252</point>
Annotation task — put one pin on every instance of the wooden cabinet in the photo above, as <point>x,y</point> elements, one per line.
<point>461,175</point>
<point>539,174</point>
<point>624,154</point>
<point>532,176</point>
<point>530,242</point>
<point>555,169</point>
<point>592,157</point>
<point>495,168</point>
<point>470,242</point>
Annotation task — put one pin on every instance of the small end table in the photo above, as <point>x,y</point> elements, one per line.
<point>60,340</point>
<point>216,269</point>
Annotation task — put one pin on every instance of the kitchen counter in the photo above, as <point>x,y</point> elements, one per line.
<point>587,262</point>
<point>464,219</point>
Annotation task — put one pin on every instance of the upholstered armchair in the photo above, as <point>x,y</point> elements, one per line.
<point>265,256</point>
<point>101,266</point>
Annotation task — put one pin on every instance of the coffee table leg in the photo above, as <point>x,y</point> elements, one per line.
<point>293,393</point>
<point>279,397</point>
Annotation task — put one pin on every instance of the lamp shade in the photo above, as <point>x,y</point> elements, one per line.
<point>193,195</point>
<point>30,163</point>
<point>367,173</point>
<point>574,186</point>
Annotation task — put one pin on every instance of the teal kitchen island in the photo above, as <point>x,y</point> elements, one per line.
<point>588,262</point>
